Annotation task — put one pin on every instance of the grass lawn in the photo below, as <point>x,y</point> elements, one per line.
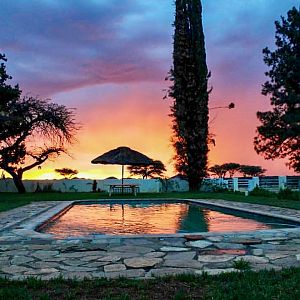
<point>283,285</point>
<point>12,200</point>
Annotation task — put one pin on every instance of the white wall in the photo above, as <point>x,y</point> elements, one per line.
<point>79,185</point>
<point>145,185</point>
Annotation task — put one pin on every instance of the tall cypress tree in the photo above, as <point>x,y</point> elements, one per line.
<point>190,94</point>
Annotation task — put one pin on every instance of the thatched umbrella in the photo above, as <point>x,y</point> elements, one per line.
<point>123,156</point>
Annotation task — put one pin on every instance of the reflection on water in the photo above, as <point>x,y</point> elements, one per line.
<point>147,218</point>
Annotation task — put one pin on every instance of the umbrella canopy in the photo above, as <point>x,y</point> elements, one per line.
<point>123,156</point>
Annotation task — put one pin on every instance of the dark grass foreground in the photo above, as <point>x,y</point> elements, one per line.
<point>12,200</point>
<point>283,285</point>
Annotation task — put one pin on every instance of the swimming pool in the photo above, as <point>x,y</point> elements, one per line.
<point>153,217</point>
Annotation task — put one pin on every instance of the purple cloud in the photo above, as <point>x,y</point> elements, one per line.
<point>55,45</point>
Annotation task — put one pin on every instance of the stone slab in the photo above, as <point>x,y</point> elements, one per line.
<point>14,269</point>
<point>194,237</point>
<point>133,273</point>
<point>41,271</point>
<point>173,249</point>
<point>155,254</point>
<point>169,271</point>
<point>131,249</point>
<point>77,269</point>
<point>142,262</point>
<point>180,255</point>
<point>199,244</point>
<point>229,246</point>
<point>19,260</point>
<point>215,258</point>
<point>191,263</point>
<point>273,256</point>
<point>114,268</point>
<point>246,241</point>
<point>253,259</point>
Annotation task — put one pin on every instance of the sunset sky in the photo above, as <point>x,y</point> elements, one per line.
<point>108,59</point>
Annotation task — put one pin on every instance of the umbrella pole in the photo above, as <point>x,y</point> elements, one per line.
<point>122,179</point>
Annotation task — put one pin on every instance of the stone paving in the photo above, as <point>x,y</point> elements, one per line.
<point>24,252</point>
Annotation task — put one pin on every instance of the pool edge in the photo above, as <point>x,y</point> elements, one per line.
<point>29,228</point>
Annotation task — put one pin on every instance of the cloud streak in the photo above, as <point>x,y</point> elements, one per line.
<point>62,45</point>
<point>58,45</point>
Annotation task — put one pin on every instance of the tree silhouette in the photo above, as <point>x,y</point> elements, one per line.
<point>66,172</point>
<point>252,171</point>
<point>218,170</point>
<point>151,171</point>
<point>189,91</point>
<point>231,168</point>
<point>279,134</point>
<point>32,130</point>
<point>221,170</point>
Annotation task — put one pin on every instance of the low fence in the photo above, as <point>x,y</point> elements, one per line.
<point>175,184</point>
<point>270,183</point>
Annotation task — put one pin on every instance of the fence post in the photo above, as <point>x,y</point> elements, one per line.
<point>253,183</point>
<point>281,182</point>
<point>235,183</point>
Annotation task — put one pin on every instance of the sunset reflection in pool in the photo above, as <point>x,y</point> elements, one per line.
<point>150,218</point>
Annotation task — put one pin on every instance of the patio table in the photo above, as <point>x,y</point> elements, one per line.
<point>121,188</point>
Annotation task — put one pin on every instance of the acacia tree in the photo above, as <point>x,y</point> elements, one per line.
<point>218,170</point>
<point>279,134</point>
<point>32,130</point>
<point>231,168</point>
<point>157,168</point>
<point>66,172</point>
<point>252,171</point>
<point>189,91</point>
<point>221,170</point>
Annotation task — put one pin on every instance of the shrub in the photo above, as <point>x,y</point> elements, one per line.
<point>212,187</point>
<point>47,188</point>
<point>288,194</point>
<point>260,192</point>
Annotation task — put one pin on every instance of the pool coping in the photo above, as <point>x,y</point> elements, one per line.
<point>27,228</point>
<point>25,253</point>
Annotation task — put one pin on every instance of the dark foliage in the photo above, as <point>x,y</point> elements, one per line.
<point>156,169</point>
<point>252,171</point>
<point>218,170</point>
<point>279,134</point>
<point>288,194</point>
<point>31,130</point>
<point>66,172</point>
<point>231,168</point>
<point>190,93</point>
<point>260,192</point>
<point>222,170</point>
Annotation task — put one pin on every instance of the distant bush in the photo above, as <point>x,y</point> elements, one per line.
<point>260,192</point>
<point>47,188</point>
<point>210,187</point>
<point>288,194</point>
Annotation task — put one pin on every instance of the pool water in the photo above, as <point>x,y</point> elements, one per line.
<point>153,217</point>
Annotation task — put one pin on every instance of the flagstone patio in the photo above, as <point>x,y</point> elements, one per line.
<point>24,252</point>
